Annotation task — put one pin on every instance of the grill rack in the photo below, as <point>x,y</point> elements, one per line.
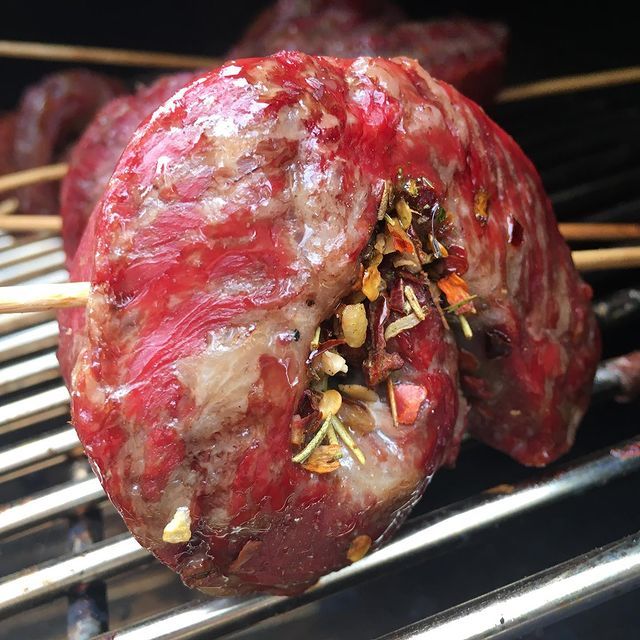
<point>36,404</point>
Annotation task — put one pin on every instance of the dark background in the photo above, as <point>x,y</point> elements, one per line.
<point>547,40</point>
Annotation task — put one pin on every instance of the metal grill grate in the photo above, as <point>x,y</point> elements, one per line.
<point>587,149</point>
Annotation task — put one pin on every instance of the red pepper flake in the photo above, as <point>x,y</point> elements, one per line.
<point>456,291</point>
<point>401,241</point>
<point>409,399</point>
<point>379,363</point>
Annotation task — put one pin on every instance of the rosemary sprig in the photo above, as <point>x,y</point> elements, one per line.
<point>345,436</point>
<point>314,442</point>
<point>331,433</point>
<point>454,307</point>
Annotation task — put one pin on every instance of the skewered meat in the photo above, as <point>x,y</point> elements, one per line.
<point>468,54</point>
<point>51,114</point>
<point>96,153</point>
<point>276,196</point>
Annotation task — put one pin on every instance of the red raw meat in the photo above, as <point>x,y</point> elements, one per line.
<point>468,54</point>
<point>237,220</point>
<point>7,135</point>
<point>51,114</point>
<point>96,153</point>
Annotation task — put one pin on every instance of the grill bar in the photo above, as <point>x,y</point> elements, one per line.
<point>31,249</point>
<point>27,411</point>
<point>46,448</point>
<point>28,373</point>
<point>53,578</point>
<point>49,504</point>
<point>14,321</point>
<point>16,273</point>
<point>542,598</point>
<point>417,538</point>
<point>21,343</point>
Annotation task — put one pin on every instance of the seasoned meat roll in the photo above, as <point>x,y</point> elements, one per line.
<point>266,376</point>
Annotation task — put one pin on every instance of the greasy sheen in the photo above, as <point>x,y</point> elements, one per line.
<point>231,227</point>
<point>94,157</point>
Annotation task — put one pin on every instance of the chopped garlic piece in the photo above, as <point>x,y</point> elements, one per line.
<point>359,392</point>
<point>332,363</point>
<point>401,324</point>
<point>330,403</point>
<point>404,213</point>
<point>354,324</point>
<point>178,529</point>
<point>358,548</point>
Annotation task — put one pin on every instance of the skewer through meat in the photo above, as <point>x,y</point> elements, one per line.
<point>265,378</point>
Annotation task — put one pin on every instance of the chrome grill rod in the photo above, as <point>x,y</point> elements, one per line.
<point>545,597</point>
<point>45,448</point>
<point>418,537</point>
<point>65,498</point>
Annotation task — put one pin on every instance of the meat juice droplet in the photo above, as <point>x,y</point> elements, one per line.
<point>515,231</point>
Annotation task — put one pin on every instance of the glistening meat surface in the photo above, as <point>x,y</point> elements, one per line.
<point>96,153</point>
<point>231,228</point>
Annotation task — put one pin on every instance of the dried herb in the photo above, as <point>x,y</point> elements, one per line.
<point>359,548</point>
<point>314,442</point>
<point>347,439</point>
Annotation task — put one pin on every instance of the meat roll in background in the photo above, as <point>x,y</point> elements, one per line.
<point>235,223</point>
<point>51,115</point>
<point>469,54</point>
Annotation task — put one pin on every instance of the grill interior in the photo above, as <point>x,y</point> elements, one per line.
<point>462,541</point>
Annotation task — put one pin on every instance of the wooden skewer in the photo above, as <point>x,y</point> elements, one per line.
<point>603,259</point>
<point>569,84</point>
<point>9,206</point>
<point>572,231</point>
<point>45,297</point>
<point>127,57</point>
<point>47,173</point>
<point>103,55</point>
<point>28,223</point>
<point>599,231</point>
